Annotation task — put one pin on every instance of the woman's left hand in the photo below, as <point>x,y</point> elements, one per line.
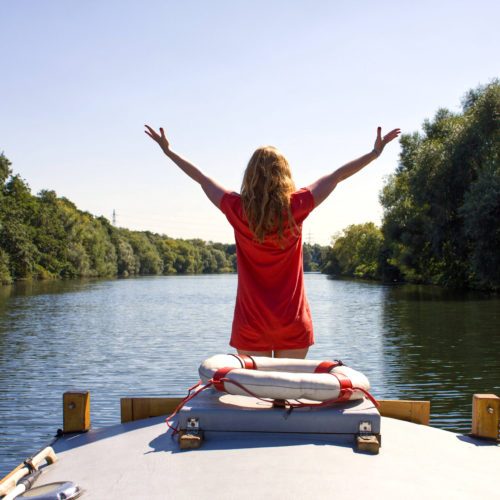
<point>159,138</point>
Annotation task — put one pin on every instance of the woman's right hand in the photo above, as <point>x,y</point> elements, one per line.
<point>380,141</point>
<point>160,138</point>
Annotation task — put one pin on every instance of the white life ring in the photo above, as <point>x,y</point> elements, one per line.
<point>280,378</point>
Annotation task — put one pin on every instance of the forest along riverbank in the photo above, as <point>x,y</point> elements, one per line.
<point>147,336</point>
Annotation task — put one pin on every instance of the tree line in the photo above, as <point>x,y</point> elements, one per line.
<point>441,222</point>
<point>46,236</point>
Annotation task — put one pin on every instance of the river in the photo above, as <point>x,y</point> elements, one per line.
<point>146,337</point>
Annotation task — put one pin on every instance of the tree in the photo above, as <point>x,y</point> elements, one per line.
<point>148,258</point>
<point>356,251</point>
<point>437,227</point>
<point>5,170</point>
<point>5,277</point>
<point>128,264</point>
<point>481,214</point>
<point>45,236</point>
<point>16,233</point>
<point>306,257</point>
<point>314,257</point>
<point>50,236</point>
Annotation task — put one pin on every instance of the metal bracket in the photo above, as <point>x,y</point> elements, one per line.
<point>193,426</point>
<point>365,428</point>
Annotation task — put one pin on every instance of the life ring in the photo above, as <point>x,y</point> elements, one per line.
<point>284,379</point>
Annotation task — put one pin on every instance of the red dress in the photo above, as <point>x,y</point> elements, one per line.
<point>271,311</point>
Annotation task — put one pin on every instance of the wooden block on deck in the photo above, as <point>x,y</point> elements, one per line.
<point>368,444</point>
<point>417,412</point>
<point>138,408</point>
<point>486,416</point>
<point>76,411</point>
<point>190,441</point>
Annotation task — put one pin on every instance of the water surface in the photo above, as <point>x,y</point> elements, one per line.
<point>147,336</point>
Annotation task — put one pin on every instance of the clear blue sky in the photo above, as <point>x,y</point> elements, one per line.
<point>79,80</point>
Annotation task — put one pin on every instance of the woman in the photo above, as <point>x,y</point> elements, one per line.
<point>271,315</point>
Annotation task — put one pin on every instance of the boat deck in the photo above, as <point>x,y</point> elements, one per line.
<point>140,460</point>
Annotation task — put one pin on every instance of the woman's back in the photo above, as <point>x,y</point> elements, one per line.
<point>271,311</point>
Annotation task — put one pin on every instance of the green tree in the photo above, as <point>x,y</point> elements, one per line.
<point>128,264</point>
<point>223,263</point>
<point>166,249</point>
<point>306,257</point>
<point>356,251</point>
<point>314,257</point>
<point>186,258</point>
<point>50,236</point>
<point>5,277</point>
<point>5,170</point>
<point>432,204</point>
<point>45,236</point>
<point>481,213</point>
<point>16,233</point>
<point>149,260</point>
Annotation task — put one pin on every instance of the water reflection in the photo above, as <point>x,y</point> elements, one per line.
<point>441,346</point>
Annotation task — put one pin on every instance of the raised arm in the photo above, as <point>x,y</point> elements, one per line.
<point>322,188</point>
<point>212,189</point>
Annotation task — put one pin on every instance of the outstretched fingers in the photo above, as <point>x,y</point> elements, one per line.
<point>159,138</point>
<point>151,132</point>
<point>391,135</point>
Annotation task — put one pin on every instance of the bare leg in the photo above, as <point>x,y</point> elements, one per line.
<point>267,354</point>
<point>291,353</point>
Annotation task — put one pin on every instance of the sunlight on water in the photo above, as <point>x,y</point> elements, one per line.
<point>147,336</point>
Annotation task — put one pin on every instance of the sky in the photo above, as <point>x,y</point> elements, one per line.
<point>80,79</point>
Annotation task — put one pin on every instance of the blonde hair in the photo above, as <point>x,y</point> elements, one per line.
<point>265,193</point>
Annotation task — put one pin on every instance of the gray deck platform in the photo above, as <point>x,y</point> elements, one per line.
<point>240,413</point>
<point>139,460</point>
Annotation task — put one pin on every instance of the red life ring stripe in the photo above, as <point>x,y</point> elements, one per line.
<point>345,391</point>
<point>218,375</point>
<point>246,361</point>
<point>326,366</point>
